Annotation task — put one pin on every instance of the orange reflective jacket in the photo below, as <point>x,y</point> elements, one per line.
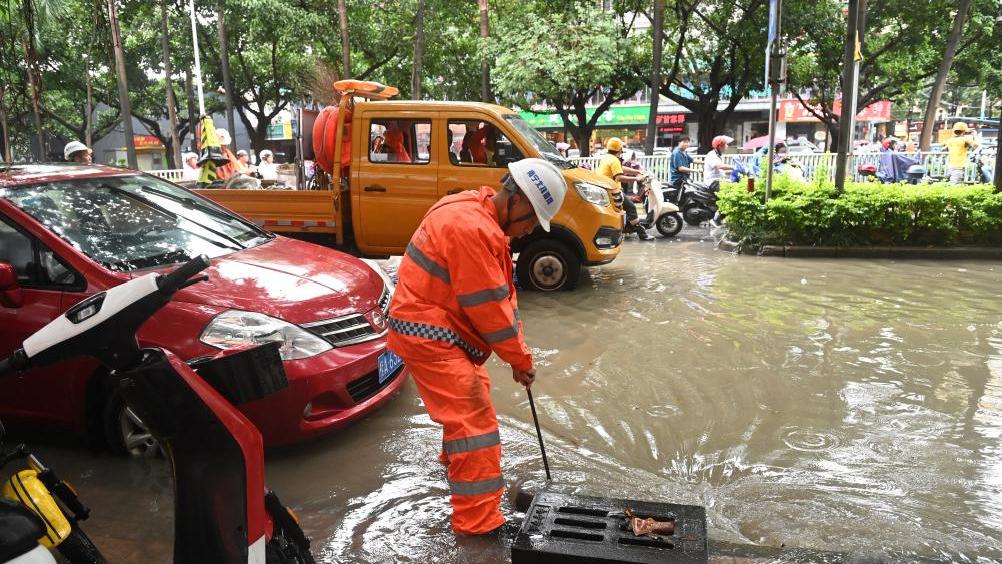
<point>455,296</point>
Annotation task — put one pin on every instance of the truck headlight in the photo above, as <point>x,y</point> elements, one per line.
<point>234,329</point>
<point>593,193</point>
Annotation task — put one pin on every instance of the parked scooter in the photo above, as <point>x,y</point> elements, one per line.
<point>661,214</point>
<point>697,201</point>
<point>52,520</point>
<point>222,511</point>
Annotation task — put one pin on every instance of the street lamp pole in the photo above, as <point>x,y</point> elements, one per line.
<point>198,63</point>
<point>776,78</point>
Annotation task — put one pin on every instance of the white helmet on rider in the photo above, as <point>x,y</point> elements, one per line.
<point>224,136</point>
<point>542,184</point>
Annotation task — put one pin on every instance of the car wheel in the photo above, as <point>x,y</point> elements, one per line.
<point>669,224</point>
<point>125,433</point>
<point>548,266</point>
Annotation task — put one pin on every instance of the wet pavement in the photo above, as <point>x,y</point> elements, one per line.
<point>837,405</point>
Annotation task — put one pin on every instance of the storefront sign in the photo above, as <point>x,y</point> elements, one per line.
<point>792,111</point>
<point>147,142</point>
<point>615,116</point>
<point>671,123</point>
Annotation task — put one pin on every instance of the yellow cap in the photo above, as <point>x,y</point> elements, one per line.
<point>960,126</point>
<point>614,145</point>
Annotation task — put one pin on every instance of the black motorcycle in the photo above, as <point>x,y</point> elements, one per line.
<point>696,201</point>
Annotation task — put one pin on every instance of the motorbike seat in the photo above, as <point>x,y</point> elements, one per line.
<point>20,530</point>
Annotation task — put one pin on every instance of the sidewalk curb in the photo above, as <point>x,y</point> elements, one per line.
<point>883,252</point>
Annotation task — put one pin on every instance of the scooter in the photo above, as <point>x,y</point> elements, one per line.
<point>697,201</point>
<point>223,512</point>
<point>53,509</point>
<point>661,214</point>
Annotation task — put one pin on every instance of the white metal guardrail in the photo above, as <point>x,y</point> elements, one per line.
<point>173,174</point>
<point>935,163</point>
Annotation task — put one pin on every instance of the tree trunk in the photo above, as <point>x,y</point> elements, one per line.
<point>123,86</point>
<point>342,12</point>
<point>4,133</point>
<point>944,69</point>
<point>656,35</point>
<point>485,71</point>
<point>224,57</point>
<point>582,136</point>
<point>418,51</point>
<point>34,78</point>
<point>89,111</point>
<point>848,91</point>
<point>175,153</point>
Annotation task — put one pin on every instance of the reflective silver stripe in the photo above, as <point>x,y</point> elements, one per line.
<point>467,444</point>
<point>477,488</point>
<point>426,264</point>
<point>483,296</point>
<point>501,335</point>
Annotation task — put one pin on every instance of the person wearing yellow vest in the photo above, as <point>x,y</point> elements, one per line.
<point>611,167</point>
<point>454,305</point>
<point>957,147</point>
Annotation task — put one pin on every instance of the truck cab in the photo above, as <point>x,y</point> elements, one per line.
<point>406,155</point>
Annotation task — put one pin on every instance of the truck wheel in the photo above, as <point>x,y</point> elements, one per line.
<point>548,266</point>
<point>669,224</point>
<point>124,432</point>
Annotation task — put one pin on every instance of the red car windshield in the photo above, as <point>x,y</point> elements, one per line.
<point>132,222</point>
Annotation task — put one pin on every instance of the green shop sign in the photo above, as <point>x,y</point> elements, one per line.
<point>615,116</point>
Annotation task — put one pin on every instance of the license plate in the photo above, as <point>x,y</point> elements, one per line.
<point>389,362</point>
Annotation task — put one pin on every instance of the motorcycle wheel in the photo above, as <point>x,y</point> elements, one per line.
<point>669,224</point>
<point>694,214</point>
<point>79,549</point>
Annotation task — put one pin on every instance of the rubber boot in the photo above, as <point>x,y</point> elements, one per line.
<point>642,233</point>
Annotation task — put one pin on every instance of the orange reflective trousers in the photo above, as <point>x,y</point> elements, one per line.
<point>456,393</point>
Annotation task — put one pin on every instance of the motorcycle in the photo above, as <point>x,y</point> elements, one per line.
<point>697,201</point>
<point>222,511</point>
<point>661,214</point>
<point>52,507</point>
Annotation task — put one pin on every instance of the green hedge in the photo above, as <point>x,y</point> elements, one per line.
<point>812,213</point>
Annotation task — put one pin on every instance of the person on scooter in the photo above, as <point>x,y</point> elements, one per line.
<point>680,166</point>
<point>611,166</point>
<point>893,165</point>
<point>454,305</point>
<point>714,168</point>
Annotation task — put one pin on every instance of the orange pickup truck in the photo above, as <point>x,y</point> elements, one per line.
<point>401,157</point>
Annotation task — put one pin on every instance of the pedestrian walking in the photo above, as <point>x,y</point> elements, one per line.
<point>957,147</point>
<point>611,167</point>
<point>77,152</point>
<point>454,305</point>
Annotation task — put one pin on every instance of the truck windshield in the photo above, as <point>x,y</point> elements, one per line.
<point>536,139</point>
<point>132,222</point>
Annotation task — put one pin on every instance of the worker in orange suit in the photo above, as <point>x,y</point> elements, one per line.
<point>454,305</point>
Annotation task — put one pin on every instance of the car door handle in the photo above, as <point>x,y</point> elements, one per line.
<point>375,189</point>
<point>454,191</point>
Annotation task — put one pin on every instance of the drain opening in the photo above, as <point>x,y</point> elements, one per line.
<point>652,543</point>
<point>579,523</point>
<point>562,534</point>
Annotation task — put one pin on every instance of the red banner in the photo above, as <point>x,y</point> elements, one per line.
<point>794,111</point>
<point>147,142</point>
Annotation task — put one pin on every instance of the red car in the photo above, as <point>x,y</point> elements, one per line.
<point>70,231</point>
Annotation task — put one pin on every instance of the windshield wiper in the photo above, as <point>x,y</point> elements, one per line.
<point>239,246</point>
<point>193,203</point>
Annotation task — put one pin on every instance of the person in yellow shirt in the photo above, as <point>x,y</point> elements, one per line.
<point>957,147</point>
<point>611,166</point>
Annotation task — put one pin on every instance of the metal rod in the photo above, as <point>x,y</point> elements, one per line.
<point>198,63</point>
<point>535,419</point>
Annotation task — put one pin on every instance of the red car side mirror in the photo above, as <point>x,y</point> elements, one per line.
<point>10,291</point>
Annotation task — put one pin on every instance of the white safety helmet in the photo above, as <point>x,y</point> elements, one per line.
<point>74,147</point>
<point>188,156</point>
<point>265,153</point>
<point>543,184</point>
<point>224,136</point>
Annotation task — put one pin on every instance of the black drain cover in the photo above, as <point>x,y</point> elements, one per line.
<point>579,529</point>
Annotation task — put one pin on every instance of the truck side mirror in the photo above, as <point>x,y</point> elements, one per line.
<point>10,290</point>
<point>505,153</point>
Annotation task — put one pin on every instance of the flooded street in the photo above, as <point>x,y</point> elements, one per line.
<point>841,405</point>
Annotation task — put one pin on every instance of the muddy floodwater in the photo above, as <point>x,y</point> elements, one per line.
<point>812,406</point>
